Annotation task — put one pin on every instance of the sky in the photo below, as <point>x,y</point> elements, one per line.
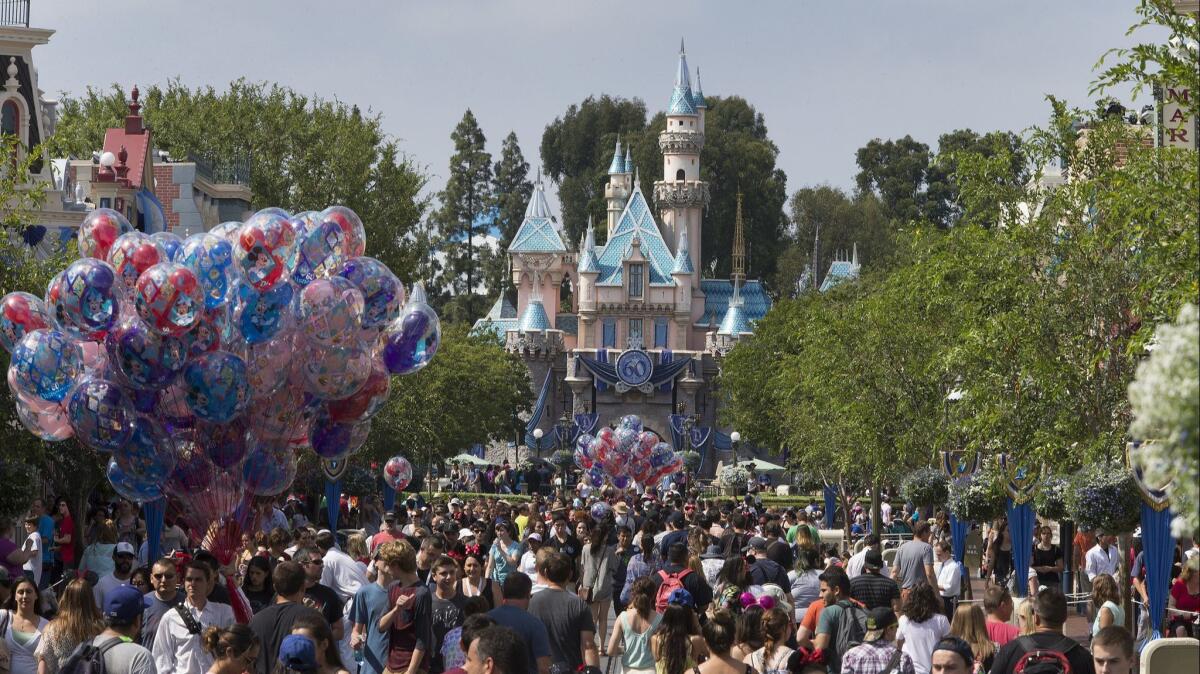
<point>828,76</point>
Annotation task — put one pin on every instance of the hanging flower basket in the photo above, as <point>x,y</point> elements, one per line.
<point>979,500</point>
<point>1105,498</point>
<point>734,476</point>
<point>1050,501</point>
<point>562,459</point>
<point>926,488</point>
<point>691,460</point>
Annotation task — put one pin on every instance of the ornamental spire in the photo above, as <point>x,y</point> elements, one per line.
<point>618,164</point>
<point>738,276</point>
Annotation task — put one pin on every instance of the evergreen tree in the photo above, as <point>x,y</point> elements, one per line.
<point>512,188</point>
<point>466,202</point>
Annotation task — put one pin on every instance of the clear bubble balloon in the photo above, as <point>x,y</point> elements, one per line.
<point>267,473</point>
<point>383,293</point>
<point>632,421</point>
<point>216,386</point>
<point>210,257</point>
<point>99,231</point>
<point>101,414</point>
<point>169,299</point>
<point>20,313</point>
<point>226,444</point>
<point>84,299</point>
<point>144,358</point>
<point>596,476</point>
<point>150,453</point>
<point>366,401</point>
<point>171,243</point>
<point>130,487</point>
<point>262,248</point>
<point>260,316</point>
<point>132,254</point>
<point>228,231</point>
<point>193,473</point>
<point>412,340</point>
<point>397,473</point>
<point>621,481</point>
<point>47,421</point>
<point>333,440</point>
<point>213,331</point>
<point>331,312</point>
<point>319,248</point>
<point>334,374</point>
<point>354,235</point>
<point>45,364</point>
<point>268,365</point>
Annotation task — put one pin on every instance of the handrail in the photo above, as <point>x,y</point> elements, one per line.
<point>14,13</point>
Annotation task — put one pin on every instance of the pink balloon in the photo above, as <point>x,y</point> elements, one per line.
<point>50,423</point>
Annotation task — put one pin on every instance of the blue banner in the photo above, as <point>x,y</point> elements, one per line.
<point>830,492</point>
<point>1159,548</point>
<point>389,498</point>
<point>154,512</point>
<point>333,493</point>
<point>958,541</point>
<point>1020,528</point>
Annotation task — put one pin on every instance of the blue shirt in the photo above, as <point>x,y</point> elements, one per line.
<point>370,603</point>
<point>531,630</point>
<point>46,530</point>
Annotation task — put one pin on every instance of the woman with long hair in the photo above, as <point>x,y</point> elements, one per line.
<point>315,628</point>
<point>257,585</point>
<point>474,584</point>
<point>234,649</point>
<point>732,580</point>
<point>999,552</point>
<point>98,557</point>
<point>644,564</point>
<point>633,629</point>
<point>773,657</point>
<point>676,644</point>
<point>1106,600</point>
<point>922,625</point>
<point>1024,611</point>
<point>1185,596</point>
<point>748,637</point>
<point>719,634</point>
<point>595,583</point>
<point>806,581</point>
<point>356,547</point>
<point>504,553</point>
<point>78,620</point>
<point>22,627</point>
<point>970,625</point>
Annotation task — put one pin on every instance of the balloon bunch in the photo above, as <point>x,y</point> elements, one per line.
<point>199,367</point>
<point>625,455</point>
<point>397,472</point>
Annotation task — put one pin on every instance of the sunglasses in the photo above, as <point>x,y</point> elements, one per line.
<point>318,561</point>
<point>163,576</point>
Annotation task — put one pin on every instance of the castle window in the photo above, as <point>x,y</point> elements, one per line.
<point>609,334</point>
<point>635,331</point>
<point>635,281</point>
<point>660,333</point>
<point>10,119</point>
<point>679,175</point>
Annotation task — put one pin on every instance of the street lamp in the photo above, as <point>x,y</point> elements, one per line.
<point>564,430</point>
<point>537,441</point>
<point>735,439</point>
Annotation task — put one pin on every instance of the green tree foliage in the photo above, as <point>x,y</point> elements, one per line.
<point>466,204</point>
<point>512,188</point>
<point>1156,65</point>
<point>844,222</point>
<point>306,152</point>
<point>467,395</point>
<point>577,149</point>
<point>895,170</point>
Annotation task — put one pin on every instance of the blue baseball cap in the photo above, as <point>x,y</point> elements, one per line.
<point>123,604</point>
<point>298,652</point>
<point>681,597</point>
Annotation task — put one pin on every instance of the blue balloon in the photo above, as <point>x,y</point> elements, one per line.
<point>170,243</point>
<point>210,257</point>
<point>131,487</point>
<point>260,316</point>
<point>383,293</point>
<point>144,358</point>
<point>596,475</point>
<point>45,364</point>
<point>101,414</point>
<point>150,454</point>
<point>632,421</point>
<point>83,299</point>
<point>333,440</point>
<point>583,443</point>
<point>412,340</point>
<point>319,249</point>
<point>268,472</point>
<point>216,386</point>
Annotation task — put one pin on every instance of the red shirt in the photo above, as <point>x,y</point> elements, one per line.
<point>812,614</point>
<point>384,537</point>
<point>411,629</point>
<point>1001,633</point>
<point>1183,600</point>
<point>67,552</point>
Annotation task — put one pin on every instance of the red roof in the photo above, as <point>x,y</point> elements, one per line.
<point>135,138</point>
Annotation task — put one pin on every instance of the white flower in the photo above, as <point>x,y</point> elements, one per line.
<point>1165,398</point>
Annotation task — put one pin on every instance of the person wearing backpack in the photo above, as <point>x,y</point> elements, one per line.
<point>675,574</point>
<point>922,626</point>
<point>843,621</point>
<point>1047,650</point>
<point>878,654</point>
<point>115,650</point>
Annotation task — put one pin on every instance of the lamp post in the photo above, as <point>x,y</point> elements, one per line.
<point>735,439</point>
<point>689,422</point>
<point>537,441</point>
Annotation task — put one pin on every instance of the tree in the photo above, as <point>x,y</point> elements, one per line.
<point>512,189</point>
<point>465,203</point>
<point>844,223</point>
<point>895,171</point>
<point>465,396</point>
<point>307,153</point>
<point>577,149</point>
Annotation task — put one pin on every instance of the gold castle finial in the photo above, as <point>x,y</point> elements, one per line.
<point>738,276</point>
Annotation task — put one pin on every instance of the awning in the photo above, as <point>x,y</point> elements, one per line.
<point>762,466</point>
<point>468,458</point>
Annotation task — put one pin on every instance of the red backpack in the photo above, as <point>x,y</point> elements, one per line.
<point>1051,660</point>
<point>670,581</point>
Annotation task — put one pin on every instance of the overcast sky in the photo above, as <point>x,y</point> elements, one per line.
<point>828,76</point>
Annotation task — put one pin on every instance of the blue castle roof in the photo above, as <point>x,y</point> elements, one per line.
<point>537,233</point>
<point>718,293</point>
<point>683,258</point>
<point>535,317</point>
<point>636,222</point>
<point>735,322</point>
<point>681,97</point>
<point>501,318</point>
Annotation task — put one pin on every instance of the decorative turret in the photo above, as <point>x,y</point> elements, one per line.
<point>537,233</point>
<point>683,259</point>
<point>681,195</point>
<point>534,319</point>
<point>588,263</point>
<point>620,185</point>
<point>681,96</point>
<point>738,275</point>
<point>629,159</point>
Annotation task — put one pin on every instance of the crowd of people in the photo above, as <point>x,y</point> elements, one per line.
<point>689,586</point>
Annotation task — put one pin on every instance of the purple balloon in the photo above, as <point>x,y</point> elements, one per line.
<point>146,360</point>
<point>101,414</point>
<point>268,472</point>
<point>193,473</point>
<point>224,444</point>
<point>411,342</point>
<point>333,440</point>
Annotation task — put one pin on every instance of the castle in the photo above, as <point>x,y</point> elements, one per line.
<point>645,333</point>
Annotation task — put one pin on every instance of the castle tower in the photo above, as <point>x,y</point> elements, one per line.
<point>681,196</point>
<point>620,185</point>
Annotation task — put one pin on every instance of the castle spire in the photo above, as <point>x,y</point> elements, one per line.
<point>681,98</point>
<point>629,159</point>
<point>738,276</point>
<point>618,164</point>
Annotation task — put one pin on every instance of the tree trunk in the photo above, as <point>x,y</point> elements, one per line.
<point>876,512</point>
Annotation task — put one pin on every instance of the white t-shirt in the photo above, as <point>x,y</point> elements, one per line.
<point>342,573</point>
<point>34,564</point>
<point>104,585</point>
<point>885,513</point>
<point>528,565</point>
<point>920,638</point>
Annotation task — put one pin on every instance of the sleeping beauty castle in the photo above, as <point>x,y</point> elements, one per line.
<point>629,326</point>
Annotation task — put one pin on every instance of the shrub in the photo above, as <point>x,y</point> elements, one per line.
<point>980,500</point>
<point>926,488</point>
<point>1104,497</point>
<point>734,476</point>
<point>691,460</point>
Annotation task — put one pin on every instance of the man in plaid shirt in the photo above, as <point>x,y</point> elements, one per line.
<point>877,654</point>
